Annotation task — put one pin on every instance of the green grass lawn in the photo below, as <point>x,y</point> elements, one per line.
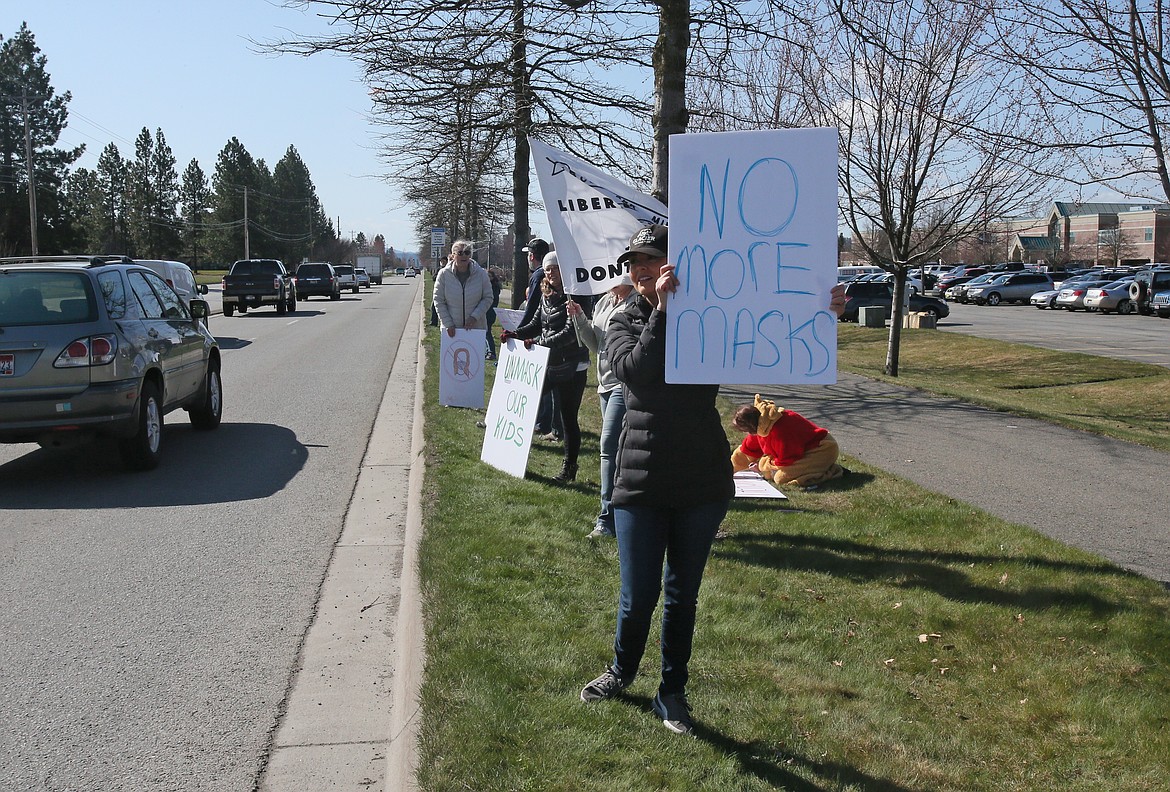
<point>869,635</point>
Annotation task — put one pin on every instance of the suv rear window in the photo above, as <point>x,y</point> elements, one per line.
<point>314,270</point>
<point>46,298</point>
<point>343,270</point>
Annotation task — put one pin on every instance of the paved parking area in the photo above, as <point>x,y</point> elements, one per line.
<point>1145,339</point>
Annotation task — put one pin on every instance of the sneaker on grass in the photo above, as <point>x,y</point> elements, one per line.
<point>605,686</point>
<point>674,711</point>
<point>600,532</point>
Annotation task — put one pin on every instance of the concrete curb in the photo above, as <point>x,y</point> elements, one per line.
<point>349,716</point>
<point>402,758</point>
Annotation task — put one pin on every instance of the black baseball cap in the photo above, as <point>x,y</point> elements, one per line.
<point>650,240</point>
<point>538,248</point>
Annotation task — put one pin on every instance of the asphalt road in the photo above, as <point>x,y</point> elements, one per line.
<point>152,621</point>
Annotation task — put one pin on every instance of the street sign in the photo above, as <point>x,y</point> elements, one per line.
<point>438,238</point>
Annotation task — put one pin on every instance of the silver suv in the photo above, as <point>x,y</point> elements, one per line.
<point>101,347</point>
<point>1009,287</point>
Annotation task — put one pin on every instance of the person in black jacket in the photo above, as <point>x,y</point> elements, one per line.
<point>568,360</point>
<point>672,488</point>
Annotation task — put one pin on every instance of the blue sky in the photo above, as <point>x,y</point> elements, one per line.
<point>190,69</point>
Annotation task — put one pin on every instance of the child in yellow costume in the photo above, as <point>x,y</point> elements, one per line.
<point>787,448</point>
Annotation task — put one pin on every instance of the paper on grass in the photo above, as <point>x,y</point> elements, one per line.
<point>749,484</point>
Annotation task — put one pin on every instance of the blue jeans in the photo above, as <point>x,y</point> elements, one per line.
<point>613,412</point>
<point>548,416</point>
<point>645,536</point>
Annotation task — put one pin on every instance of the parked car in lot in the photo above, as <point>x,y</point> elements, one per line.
<point>363,278</point>
<point>1147,283</point>
<point>956,278</point>
<point>346,277</point>
<point>1047,298</point>
<point>1072,297</point>
<point>1111,297</point>
<point>317,279</point>
<point>100,347</point>
<point>958,292</point>
<point>1160,304</point>
<point>1011,287</point>
<point>860,295</point>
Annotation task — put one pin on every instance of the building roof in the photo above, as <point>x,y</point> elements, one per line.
<point>1070,209</point>
<point>1035,242</point>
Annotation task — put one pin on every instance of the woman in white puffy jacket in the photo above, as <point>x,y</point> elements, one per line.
<point>463,291</point>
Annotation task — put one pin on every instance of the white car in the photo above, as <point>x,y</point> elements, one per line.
<point>346,277</point>
<point>363,278</point>
<point>179,277</point>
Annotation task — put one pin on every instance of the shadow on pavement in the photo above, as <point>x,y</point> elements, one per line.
<point>197,467</point>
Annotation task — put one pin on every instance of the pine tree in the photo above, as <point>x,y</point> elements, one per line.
<point>27,97</point>
<point>195,198</point>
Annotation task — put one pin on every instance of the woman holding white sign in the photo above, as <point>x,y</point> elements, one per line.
<point>568,361</point>
<point>672,488</point>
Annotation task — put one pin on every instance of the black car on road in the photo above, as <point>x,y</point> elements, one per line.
<point>318,280</point>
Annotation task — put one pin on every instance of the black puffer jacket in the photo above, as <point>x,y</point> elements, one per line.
<point>551,327</point>
<point>673,450</point>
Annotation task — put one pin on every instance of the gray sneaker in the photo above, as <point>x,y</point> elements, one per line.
<point>674,711</point>
<point>600,532</point>
<point>605,686</point>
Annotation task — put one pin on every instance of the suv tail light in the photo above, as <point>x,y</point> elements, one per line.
<point>276,282</point>
<point>88,351</point>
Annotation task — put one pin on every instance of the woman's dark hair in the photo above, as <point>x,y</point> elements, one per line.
<point>747,419</point>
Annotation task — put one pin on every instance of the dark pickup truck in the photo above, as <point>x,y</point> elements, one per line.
<point>251,283</point>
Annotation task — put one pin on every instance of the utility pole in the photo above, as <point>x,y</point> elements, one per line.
<point>246,247</point>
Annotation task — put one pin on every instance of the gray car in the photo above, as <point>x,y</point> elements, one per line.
<point>100,347</point>
<point>1009,287</point>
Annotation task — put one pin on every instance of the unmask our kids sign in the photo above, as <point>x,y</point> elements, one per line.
<point>511,413</point>
<point>753,235</point>
<point>591,217</point>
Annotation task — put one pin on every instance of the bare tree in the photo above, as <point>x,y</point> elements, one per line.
<point>463,85</point>
<point>1106,63</point>
<point>930,127</point>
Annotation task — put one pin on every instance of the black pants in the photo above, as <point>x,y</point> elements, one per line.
<point>567,398</point>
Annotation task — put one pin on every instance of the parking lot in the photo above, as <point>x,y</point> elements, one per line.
<point>1145,339</point>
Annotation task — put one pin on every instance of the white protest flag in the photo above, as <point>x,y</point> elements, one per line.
<point>591,216</point>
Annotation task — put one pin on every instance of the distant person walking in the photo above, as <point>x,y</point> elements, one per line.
<point>463,291</point>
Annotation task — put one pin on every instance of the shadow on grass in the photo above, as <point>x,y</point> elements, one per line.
<point>916,569</point>
<point>775,768</point>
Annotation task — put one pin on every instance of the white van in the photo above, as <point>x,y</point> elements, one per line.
<point>179,277</point>
<point>851,272</point>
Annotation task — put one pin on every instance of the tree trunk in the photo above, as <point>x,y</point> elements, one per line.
<point>670,86</point>
<point>897,313</point>
<point>520,179</point>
